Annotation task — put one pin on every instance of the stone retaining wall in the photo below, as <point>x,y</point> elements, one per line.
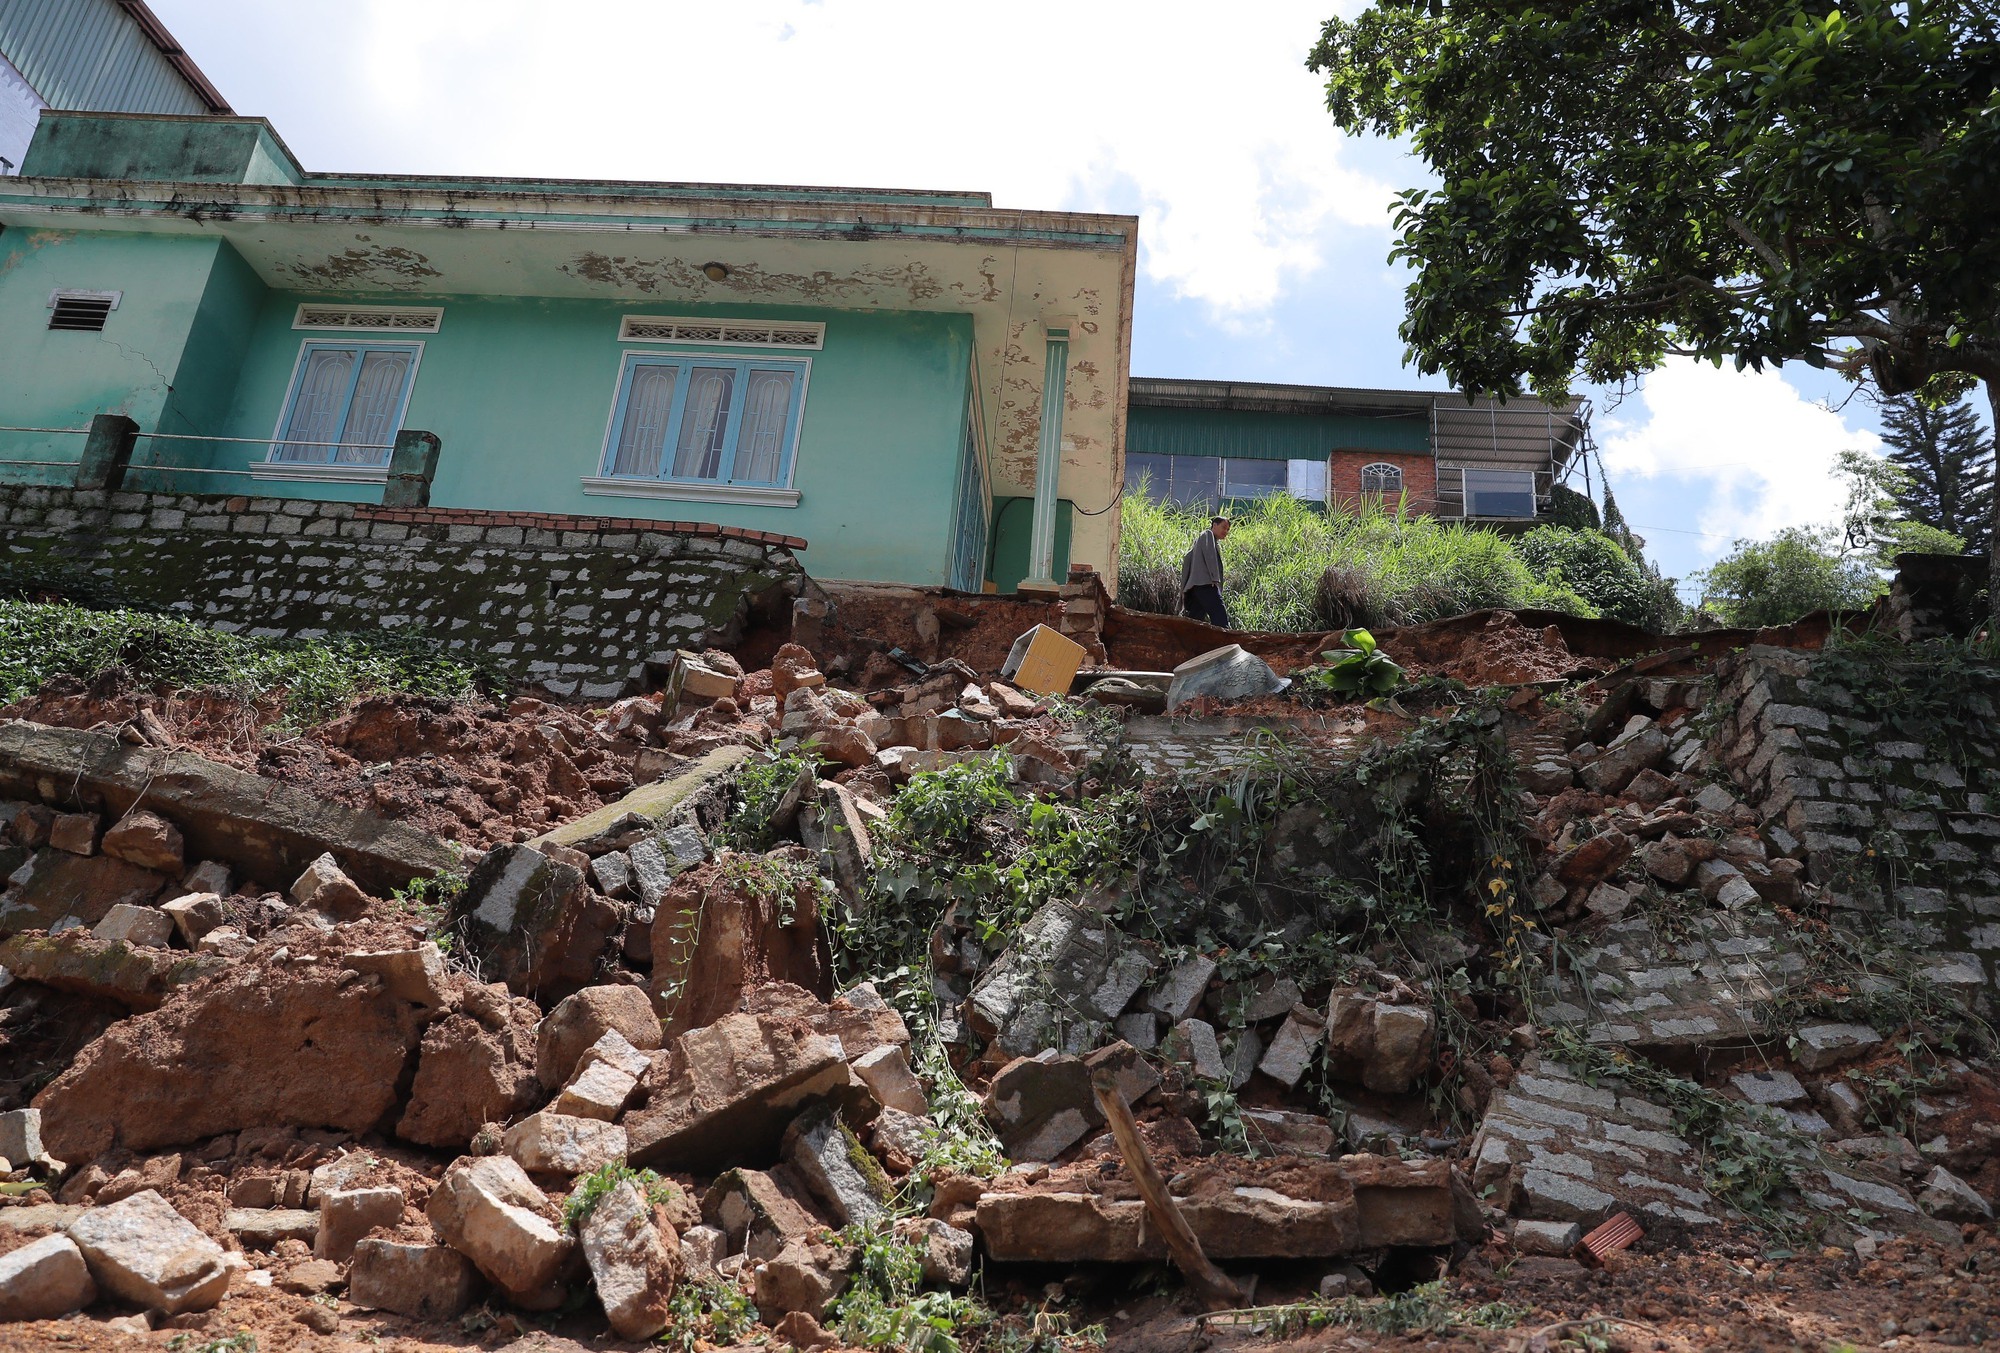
<point>1890,818</point>
<point>577,605</point>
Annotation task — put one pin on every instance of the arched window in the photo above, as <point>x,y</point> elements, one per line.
<point>1382,480</point>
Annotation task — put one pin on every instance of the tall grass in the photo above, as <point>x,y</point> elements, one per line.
<point>1291,566</point>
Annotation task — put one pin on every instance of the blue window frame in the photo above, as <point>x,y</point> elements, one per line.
<point>346,403</point>
<point>706,420</point>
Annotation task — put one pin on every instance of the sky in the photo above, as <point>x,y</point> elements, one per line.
<point>1264,232</point>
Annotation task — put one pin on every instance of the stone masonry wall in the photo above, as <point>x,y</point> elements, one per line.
<point>578,605</point>
<point>1887,823</point>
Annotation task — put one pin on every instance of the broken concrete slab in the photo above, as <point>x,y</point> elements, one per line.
<point>44,1279</point>
<point>661,801</point>
<point>143,1252</point>
<point>264,828</point>
<point>727,1092</point>
<point>423,1282</point>
<point>488,1209</point>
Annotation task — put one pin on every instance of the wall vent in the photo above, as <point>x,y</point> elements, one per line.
<point>399,319</point>
<point>81,311</point>
<point>722,332</point>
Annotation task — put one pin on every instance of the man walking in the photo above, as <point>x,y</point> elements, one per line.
<point>1201,575</point>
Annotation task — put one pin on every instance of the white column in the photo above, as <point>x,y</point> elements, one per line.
<point>1048,464</point>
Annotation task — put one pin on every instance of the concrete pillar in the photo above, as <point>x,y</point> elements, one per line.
<point>107,452</point>
<point>412,467</point>
<point>1048,464</point>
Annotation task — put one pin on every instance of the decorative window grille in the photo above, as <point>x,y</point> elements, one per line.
<point>82,311</point>
<point>1382,479</point>
<point>371,318</point>
<point>731,332</point>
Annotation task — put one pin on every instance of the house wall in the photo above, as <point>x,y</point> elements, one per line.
<point>1419,477</point>
<point>520,391</point>
<point>60,379</point>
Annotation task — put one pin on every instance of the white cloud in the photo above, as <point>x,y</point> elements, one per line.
<point>1744,452</point>
<point>1207,126</point>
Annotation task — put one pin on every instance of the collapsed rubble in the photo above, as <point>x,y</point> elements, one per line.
<point>816,1006</point>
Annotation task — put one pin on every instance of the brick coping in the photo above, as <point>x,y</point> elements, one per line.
<point>556,521</point>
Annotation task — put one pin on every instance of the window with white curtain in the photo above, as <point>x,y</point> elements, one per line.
<point>346,404</point>
<point>702,420</point>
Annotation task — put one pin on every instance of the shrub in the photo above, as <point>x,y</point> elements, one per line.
<point>1593,565</point>
<point>1796,572</point>
<point>1291,566</point>
<point>39,641</point>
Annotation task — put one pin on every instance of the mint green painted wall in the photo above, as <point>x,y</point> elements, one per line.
<point>521,391</point>
<point>205,383</point>
<point>60,379</point>
<point>176,150</point>
<point>1009,529</point>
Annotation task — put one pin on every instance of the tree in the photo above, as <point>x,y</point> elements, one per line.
<point>1800,570</point>
<point>1873,524</point>
<point>1593,565</point>
<point>1947,467</point>
<point>1734,180</point>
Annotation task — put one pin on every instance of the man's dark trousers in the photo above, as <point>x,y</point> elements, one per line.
<point>1205,603</point>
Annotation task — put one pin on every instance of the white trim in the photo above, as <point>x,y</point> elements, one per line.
<point>316,474</point>
<point>292,388</point>
<point>374,319</point>
<point>690,491</point>
<point>74,294</point>
<point>784,335</point>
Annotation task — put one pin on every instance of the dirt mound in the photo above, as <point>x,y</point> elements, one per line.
<point>1485,648</point>
<point>269,1043</point>
<point>473,772</point>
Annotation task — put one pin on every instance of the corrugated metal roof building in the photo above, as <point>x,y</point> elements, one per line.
<point>104,56</point>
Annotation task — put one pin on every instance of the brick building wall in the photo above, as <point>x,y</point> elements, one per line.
<point>1419,477</point>
<point>578,605</point>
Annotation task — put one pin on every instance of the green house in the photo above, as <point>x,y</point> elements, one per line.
<point>926,388</point>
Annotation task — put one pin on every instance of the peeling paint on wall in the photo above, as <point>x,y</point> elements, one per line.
<point>652,276</point>
<point>384,265</point>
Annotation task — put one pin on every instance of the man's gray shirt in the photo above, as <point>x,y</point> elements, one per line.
<point>1203,565</point>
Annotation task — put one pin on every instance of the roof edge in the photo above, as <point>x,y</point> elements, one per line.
<point>177,56</point>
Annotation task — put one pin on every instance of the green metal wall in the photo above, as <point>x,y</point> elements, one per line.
<point>91,54</point>
<point>1268,436</point>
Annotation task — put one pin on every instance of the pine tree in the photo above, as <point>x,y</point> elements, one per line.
<point>1947,463</point>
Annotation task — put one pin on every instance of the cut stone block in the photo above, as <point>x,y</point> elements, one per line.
<point>1292,1047</point>
<point>1554,1238</point>
<point>146,839</point>
<point>886,1072</point>
<point>600,1090</point>
<point>730,1090</point>
<point>423,1282</point>
<point>488,1209</point>
<point>1193,1044</point>
<point>1949,1198</point>
<point>1775,1088</point>
<point>44,1279</point>
<point>346,1216</point>
<point>759,1213</point>
<point>148,927</point>
<point>144,1253</point>
<point>1179,993</point>
<point>262,1228</point>
<point>416,975</point>
<point>634,1258</point>
<point>21,1136</point>
<point>554,1143</point>
<point>824,1152</point>
<point>1065,977</point>
<point>325,887</point>
<point>1823,1045</point>
<point>195,914</point>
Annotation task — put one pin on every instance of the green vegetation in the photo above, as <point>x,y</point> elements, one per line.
<point>1598,569</point>
<point>885,1305</point>
<point>315,676</point>
<point>1946,462</point>
<point>707,1311</point>
<point>761,785</point>
<point>594,1187</point>
<point>1753,183</point>
<point>1796,572</point>
<point>1291,566</point>
<point>1424,1309</point>
<point>1359,671</point>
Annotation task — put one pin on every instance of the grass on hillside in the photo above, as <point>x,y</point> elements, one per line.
<point>316,676</point>
<point>1291,566</point>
